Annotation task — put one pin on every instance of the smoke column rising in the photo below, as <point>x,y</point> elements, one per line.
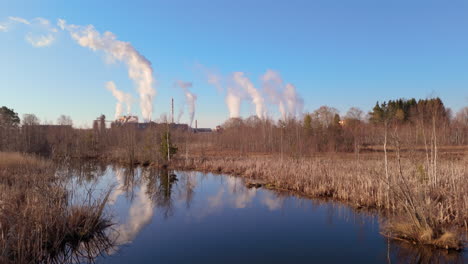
<point>294,102</point>
<point>290,104</point>
<point>190,97</point>
<point>233,93</point>
<point>122,98</point>
<point>233,101</point>
<point>139,68</point>
<point>256,97</point>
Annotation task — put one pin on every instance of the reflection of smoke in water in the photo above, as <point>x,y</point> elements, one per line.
<point>140,213</point>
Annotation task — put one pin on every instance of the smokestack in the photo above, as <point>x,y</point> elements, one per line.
<point>172,110</point>
<point>196,124</point>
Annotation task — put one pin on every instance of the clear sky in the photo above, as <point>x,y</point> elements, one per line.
<point>337,53</point>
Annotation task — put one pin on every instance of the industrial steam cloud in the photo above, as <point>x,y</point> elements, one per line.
<point>275,92</point>
<point>139,68</point>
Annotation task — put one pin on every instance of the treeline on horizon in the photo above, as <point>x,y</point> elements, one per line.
<point>324,130</point>
<point>413,123</point>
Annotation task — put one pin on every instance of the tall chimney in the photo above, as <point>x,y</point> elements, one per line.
<point>196,124</point>
<point>172,110</point>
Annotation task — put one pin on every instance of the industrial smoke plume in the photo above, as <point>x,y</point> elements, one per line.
<point>122,98</point>
<point>139,68</point>
<point>241,88</point>
<point>190,97</point>
<point>233,101</point>
<point>285,96</point>
<point>255,96</point>
<point>276,91</point>
<point>233,94</point>
<point>289,103</point>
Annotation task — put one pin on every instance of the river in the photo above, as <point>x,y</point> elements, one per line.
<point>192,217</point>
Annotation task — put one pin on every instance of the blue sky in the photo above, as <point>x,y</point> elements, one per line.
<point>336,53</point>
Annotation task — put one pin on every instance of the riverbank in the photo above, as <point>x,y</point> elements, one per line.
<point>38,221</point>
<point>416,210</point>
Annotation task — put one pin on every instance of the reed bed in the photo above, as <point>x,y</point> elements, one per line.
<point>415,209</point>
<point>38,223</point>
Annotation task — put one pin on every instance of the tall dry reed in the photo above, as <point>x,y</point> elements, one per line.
<point>38,224</point>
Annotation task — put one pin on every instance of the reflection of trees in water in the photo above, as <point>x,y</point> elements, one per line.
<point>146,188</point>
<point>125,183</point>
<point>91,170</point>
<point>185,187</point>
<point>130,181</point>
<point>160,188</point>
<point>82,171</point>
<point>189,183</point>
<point>405,252</point>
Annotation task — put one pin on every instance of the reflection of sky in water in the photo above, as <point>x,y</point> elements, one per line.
<point>205,218</point>
<point>140,213</point>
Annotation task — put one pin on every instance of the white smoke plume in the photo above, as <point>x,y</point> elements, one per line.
<point>233,96</point>
<point>233,101</point>
<point>290,104</point>
<point>41,33</point>
<point>256,97</point>
<point>190,97</point>
<point>294,102</point>
<point>139,68</point>
<point>122,98</point>
<point>234,93</point>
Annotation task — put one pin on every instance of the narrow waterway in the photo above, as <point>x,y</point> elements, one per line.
<point>192,217</point>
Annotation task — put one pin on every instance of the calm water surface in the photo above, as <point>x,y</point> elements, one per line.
<point>191,217</point>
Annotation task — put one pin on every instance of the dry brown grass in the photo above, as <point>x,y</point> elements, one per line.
<point>430,211</point>
<point>37,222</point>
<point>422,235</point>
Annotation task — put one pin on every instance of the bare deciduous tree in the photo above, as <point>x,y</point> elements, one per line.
<point>30,120</point>
<point>64,120</point>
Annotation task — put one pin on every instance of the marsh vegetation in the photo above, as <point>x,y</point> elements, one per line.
<point>38,221</point>
<point>407,160</point>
